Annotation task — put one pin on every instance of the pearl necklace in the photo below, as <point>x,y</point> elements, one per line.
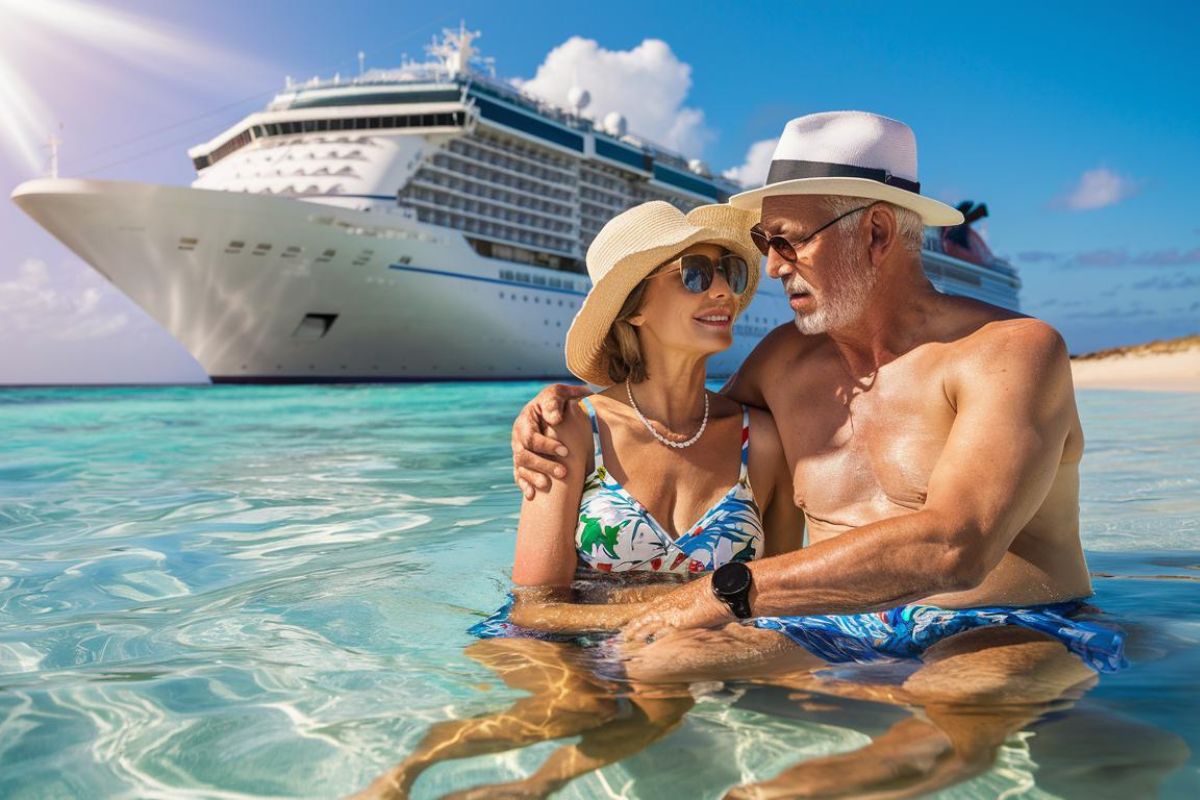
<point>659,436</point>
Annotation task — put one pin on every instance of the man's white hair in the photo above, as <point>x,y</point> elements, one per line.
<point>910,228</point>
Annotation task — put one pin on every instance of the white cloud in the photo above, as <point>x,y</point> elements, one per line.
<point>753,173</point>
<point>647,84</point>
<point>31,305</point>
<point>1098,188</point>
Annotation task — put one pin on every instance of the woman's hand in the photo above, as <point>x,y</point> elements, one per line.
<point>533,443</point>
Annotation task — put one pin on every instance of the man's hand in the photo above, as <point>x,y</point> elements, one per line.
<point>689,606</point>
<point>533,441</point>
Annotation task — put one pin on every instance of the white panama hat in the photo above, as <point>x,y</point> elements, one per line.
<point>850,153</point>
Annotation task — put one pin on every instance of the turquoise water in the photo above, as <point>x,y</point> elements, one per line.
<point>258,591</point>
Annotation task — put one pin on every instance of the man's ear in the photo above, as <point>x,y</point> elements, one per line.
<point>882,231</point>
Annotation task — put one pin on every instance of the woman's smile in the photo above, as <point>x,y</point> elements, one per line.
<point>715,318</point>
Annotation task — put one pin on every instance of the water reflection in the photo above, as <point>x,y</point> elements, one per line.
<point>614,719</point>
<point>931,725</point>
<point>242,592</point>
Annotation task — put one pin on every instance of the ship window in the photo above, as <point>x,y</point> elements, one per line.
<point>314,326</point>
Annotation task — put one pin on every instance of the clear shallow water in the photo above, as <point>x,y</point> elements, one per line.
<point>236,591</point>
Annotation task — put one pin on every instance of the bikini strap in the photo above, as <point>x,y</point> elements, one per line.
<point>591,412</point>
<point>744,475</point>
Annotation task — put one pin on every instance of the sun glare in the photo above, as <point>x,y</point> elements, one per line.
<point>72,36</point>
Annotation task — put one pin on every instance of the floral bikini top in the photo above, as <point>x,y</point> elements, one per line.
<point>617,534</point>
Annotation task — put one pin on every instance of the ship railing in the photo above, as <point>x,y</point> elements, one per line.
<point>420,73</point>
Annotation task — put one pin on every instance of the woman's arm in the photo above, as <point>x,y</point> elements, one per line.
<point>771,478</point>
<point>545,554</point>
<point>543,609</point>
<point>545,559</point>
<point>641,592</point>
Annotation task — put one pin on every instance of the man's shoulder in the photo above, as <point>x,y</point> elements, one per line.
<point>980,330</point>
<point>1005,347</point>
<point>1019,338</point>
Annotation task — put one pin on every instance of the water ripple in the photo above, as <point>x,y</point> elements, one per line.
<point>232,592</point>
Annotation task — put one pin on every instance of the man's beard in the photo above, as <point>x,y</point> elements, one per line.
<point>848,284</point>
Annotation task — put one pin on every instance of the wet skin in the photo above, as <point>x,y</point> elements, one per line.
<point>934,448</point>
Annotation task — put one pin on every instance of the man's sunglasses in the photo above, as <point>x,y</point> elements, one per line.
<point>787,250</point>
<point>697,272</point>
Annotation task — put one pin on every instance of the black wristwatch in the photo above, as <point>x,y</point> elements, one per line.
<point>731,585</point>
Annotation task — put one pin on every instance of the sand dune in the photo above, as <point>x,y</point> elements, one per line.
<point>1171,365</point>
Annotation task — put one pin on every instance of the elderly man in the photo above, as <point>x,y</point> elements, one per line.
<point>934,444</point>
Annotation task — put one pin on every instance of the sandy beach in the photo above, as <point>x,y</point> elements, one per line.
<point>1171,365</point>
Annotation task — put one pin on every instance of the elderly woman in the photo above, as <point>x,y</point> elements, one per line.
<point>663,476</point>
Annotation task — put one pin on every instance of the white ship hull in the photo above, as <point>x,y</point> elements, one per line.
<point>397,300</point>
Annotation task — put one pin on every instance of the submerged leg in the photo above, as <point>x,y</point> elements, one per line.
<point>652,719</point>
<point>729,653</point>
<point>974,688</point>
<point>567,700</point>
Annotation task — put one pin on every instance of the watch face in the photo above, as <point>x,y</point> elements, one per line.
<point>731,579</point>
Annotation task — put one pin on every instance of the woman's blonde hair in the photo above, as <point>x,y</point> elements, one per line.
<point>620,349</point>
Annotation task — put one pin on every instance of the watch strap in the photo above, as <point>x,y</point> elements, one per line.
<point>739,604</point>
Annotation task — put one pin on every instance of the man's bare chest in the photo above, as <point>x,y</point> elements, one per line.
<point>863,453</point>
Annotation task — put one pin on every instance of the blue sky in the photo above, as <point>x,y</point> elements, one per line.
<point>1078,124</point>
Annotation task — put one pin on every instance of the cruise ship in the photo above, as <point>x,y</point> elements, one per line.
<point>427,222</point>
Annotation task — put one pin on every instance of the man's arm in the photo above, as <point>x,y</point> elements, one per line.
<point>537,453</point>
<point>783,522</point>
<point>746,385</point>
<point>1015,406</point>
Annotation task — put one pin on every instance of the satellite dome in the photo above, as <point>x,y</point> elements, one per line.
<point>578,98</point>
<point>614,123</point>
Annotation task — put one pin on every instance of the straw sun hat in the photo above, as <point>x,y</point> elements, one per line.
<point>631,246</point>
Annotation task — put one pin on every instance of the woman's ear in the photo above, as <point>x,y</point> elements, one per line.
<point>637,320</point>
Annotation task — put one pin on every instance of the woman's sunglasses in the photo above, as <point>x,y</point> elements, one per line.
<point>697,272</point>
<point>787,250</point>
